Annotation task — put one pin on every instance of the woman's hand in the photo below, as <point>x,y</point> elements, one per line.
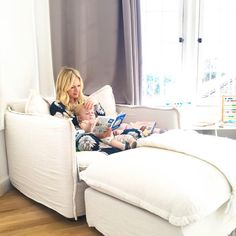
<point>89,104</point>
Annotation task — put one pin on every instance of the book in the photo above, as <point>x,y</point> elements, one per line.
<point>147,127</point>
<point>104,122</point>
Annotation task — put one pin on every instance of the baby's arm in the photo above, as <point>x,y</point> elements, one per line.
<point>122,127</point>
<point>117,132</point>
<point>87,125</point>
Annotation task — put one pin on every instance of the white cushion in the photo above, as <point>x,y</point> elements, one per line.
<point>84,158</point>
<point>36,104</point>
<point>179,188</point>
<point>106,98</point>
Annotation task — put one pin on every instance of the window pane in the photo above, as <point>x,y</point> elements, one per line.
<point>162,52</point>
<point>217,52</point>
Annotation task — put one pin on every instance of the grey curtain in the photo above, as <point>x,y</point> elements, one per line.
<point>133,55</point>
<point>101,38</point>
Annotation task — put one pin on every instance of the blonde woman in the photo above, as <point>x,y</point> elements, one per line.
<point>69,94</point>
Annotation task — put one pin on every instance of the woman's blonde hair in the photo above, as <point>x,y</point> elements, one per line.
<point>65,80</point>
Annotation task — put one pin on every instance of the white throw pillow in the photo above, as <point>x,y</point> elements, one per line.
<point>106,98</point>
<point>36,104</point>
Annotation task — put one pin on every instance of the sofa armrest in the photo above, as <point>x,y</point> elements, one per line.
<point>42,159</point>
<point>166,118</point>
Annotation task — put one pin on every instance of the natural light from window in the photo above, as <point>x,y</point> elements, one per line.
<point>162,51</point>
<point>189,51</point>
<point>217,52</point>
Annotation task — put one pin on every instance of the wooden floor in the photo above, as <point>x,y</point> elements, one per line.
<point>20,216</point>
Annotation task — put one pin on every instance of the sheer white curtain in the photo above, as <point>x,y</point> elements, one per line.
<point>25,51</point>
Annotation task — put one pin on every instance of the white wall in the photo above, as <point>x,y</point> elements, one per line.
<point>25,59</point>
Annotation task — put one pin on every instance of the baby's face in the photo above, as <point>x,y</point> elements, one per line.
<point>86,114</point>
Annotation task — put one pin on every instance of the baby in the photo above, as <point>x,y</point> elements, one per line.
<point>87,120</point>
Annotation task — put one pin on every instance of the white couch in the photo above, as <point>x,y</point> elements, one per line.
<point>42,160</point>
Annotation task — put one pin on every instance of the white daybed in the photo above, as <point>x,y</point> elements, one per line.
<point>44,166</point>
<point>41,149</point>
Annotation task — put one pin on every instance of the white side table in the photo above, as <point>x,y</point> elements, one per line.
<point>222,131</point>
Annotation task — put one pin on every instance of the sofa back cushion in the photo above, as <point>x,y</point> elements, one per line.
<point>106,98</point>
<point>36,104</point>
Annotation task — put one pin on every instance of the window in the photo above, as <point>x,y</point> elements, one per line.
<point>188,51</point>
<point>217,50</point>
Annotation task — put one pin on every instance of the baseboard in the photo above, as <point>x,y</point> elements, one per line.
<point>4,185</point>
